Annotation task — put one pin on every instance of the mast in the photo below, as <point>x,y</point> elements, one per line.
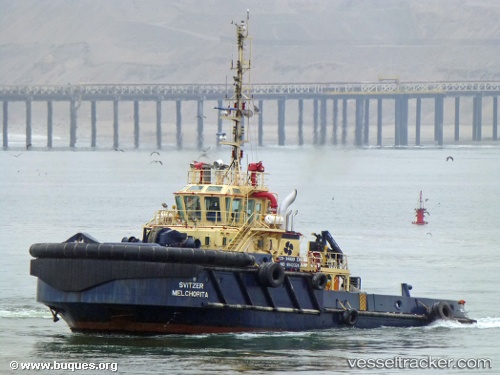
<point>238,100</point>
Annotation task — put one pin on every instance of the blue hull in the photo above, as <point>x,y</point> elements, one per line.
<point>94,295</point>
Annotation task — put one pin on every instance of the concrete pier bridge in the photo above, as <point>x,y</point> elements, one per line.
<point>383,113</point>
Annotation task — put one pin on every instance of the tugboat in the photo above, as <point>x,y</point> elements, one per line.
<point>225,258</point>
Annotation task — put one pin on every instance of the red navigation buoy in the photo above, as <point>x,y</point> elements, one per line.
<point>421,212</point>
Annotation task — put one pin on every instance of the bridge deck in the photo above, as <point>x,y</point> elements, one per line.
<point>218,91</point>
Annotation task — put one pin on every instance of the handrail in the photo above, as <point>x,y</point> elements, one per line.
<point>316,261</point>
<point>222,177</point>
<point>173,217</point>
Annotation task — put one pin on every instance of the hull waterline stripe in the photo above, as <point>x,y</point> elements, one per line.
<point>382,314</point>
<point>376,314</point>
<point>263,308</point>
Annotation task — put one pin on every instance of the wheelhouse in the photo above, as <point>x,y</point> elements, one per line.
<point>219,205</point>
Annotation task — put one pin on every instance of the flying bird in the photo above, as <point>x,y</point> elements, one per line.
<point>449,158</point>
<point>204,155</point>
<point>164,205</point>
<point>154,152</point>
<point>156,161</point>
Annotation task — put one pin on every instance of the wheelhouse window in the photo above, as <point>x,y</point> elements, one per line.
<point>236,209</point>
<point>212,208</point>
<point>254,210</point>
<point>180,207</point>
<point>258,211</point>
<point>228,205</point>
<point>193,208</point>
<point>233,209</point>
<point>250,210</point>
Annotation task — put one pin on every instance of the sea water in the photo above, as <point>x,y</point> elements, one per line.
<point>364,197</point>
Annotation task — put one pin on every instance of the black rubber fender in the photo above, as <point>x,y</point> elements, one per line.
<point>350,317</point>
<point>145,252</point>
<point>440,311</point>
<point>319,281</point>
<point>271,274</point>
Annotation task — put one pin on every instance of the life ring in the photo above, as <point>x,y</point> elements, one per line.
<point>440,310</point>
<point>271,274</point>
<point>319,281</point>
<point>350,317</point>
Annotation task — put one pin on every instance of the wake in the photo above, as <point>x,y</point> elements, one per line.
<point>482,323</point>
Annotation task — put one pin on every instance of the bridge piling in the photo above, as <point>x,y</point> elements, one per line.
<point>315,122</point>
<point>358,130</point>
<point>477,118</point>
<point>366,124</point>
<point>301,123</point>
<point>50,126</point>
<point>116,143</point>
<point>28,123</point>
<point>219,123</point>
<point>200,124</point>
<point>457,119</point>
<point>178,124</point>
<point>5,126</point>
<point>136,124</point>
<point>281,122</point>
<point>261,123</point>
<point>335,122</point>
<point>397,122</point>
<point>72,123</point>
<point>418,120</point>
<point>379,122</point>
<point>158,124</point>
<point>438,119</point>
<point>344,122</point>
<point>495,119</point>
<point>322,121</point>
<point>93,124</point>
<point>401,121</point>
<point>404,120</point>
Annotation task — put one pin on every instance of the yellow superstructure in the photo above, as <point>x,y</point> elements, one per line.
<point>223,207</point>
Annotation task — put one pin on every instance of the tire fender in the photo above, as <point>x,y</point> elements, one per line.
<point>271,274</point>
<point>440,311</point>
<point>350,317</point>
<point>319,281</point>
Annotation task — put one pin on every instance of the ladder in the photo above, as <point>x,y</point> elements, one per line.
<point>238,239</point>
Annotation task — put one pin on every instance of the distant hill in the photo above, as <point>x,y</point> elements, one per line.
<point>162,41</point>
